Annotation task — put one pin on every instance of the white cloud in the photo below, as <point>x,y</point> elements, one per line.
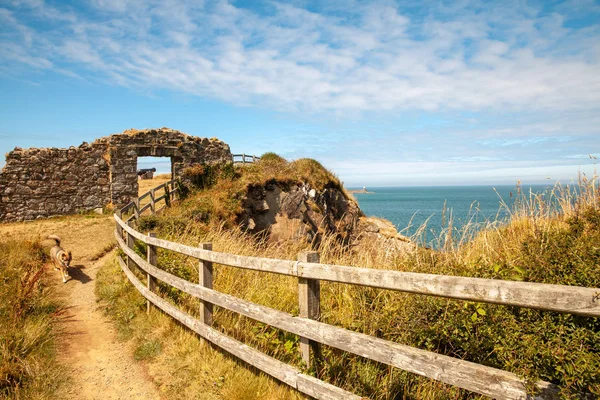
<point>357,173</point>
<point>374,57</point>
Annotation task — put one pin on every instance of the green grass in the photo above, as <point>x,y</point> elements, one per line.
<point>182,366</point>
<point>28,367</point>
<point>547,240</point>
<point>220,189</point>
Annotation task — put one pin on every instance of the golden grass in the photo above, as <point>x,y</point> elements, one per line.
<point>28,367</point>
<point>145,185</point>
<point>549,239</point>
<point>86,236</point>
<point>184,367</point>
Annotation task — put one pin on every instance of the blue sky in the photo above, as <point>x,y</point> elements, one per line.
<point>383,93</point>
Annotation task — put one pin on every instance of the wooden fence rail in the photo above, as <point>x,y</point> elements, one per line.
<point>471,376</point>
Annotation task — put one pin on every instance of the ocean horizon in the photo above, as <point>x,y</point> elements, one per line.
<point>410,207</point>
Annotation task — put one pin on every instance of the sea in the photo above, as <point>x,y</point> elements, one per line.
<point>409,208</point>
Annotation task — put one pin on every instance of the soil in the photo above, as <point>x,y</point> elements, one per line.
<point>98,365</point>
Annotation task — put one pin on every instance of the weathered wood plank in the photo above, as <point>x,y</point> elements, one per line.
<point>144,208</point>
<point>159,198</point>
<point>152,200</point>
<point>167,196</point>
<point>255,263</point>
<point>570,299</point>
<point>309,300</point>
<point>130,244</point>
<point>126,207</point>
<point>277,369</point>
<point>205,279</point>
<point>471,376</point>
<point>142,197</point>
<point>162,185</point>
<point>119,215</point>
<point>152,258</point>
<point>136,209</point>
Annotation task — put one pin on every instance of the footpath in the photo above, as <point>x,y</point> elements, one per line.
<point>98,365</point>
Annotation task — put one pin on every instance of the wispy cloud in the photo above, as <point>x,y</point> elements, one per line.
<point>359,57</point>
<point>377,90</point>
<point>529,141</point>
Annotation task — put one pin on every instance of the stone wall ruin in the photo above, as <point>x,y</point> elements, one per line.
<point>38,183</point>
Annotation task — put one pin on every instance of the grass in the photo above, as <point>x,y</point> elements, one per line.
<point>75,232</point>
<point>28,367</point>
<point>547,239</point>
<point>224,187</point>
<point>145,185</point>
<point>182,366</point>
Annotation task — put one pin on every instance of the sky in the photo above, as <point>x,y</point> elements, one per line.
<point>383,93</point>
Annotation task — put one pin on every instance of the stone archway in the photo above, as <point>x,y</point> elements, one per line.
<point>184,150</point>
<point>38,183</point>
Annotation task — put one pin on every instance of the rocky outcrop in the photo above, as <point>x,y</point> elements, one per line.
<point>298,211</point>
<point>38,183</point>
<point>183,150</point>
<point>381,231</point>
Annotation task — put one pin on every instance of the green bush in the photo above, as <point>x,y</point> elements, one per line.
<point>205,176</point>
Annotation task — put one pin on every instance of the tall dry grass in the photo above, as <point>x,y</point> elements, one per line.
<point>550,238</point>
<point>28,369</point>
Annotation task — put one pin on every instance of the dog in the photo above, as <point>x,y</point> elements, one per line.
<point>60,257</point>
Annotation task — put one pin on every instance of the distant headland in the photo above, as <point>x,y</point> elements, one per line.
<point>361,191</point>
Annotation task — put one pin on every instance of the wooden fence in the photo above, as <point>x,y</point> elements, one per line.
<point>244,158</point>
<point>464,374</point>
<point>149,201</point>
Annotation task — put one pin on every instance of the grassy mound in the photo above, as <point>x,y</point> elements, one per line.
<point>28,369</point>
<point>221,189</point>
<point>552,239</point>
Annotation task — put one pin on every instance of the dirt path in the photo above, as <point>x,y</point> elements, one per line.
<point>98,365</point>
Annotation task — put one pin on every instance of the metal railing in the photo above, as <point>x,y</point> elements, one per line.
<point>244,158</point>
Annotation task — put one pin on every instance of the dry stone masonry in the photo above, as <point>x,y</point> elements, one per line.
<point>38,183</point>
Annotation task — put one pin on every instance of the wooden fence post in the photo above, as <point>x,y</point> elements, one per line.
<point>136,209</point>
<point>119,229</point>
<point>167,195</point>
<point>309,297</point>
<point>205,278</point>
<point>131,244</point>
<point>152,203</point>
<point>153,260</point>
<point>243,158</point>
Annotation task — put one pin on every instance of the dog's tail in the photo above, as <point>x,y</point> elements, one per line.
<point>55,238</point>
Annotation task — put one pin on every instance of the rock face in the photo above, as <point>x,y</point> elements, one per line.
<point>37,183</point>
<point>297,211</point>
<point>383,232</point>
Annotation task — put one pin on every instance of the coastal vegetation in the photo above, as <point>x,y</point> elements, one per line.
<point>28,367</point>
<point>547,239</point>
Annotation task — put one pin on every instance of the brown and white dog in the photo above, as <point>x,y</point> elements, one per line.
<point>60,257</point>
